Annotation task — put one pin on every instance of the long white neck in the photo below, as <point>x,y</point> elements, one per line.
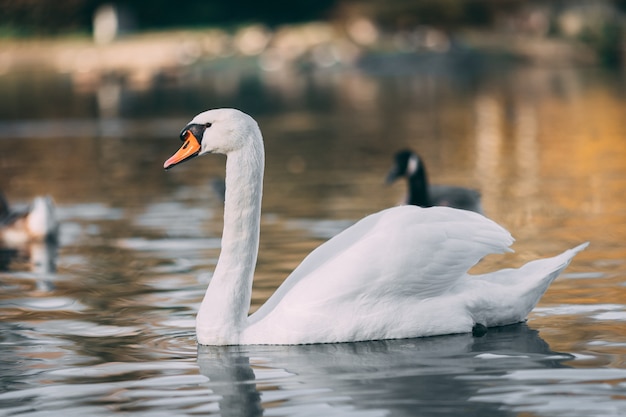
<point>224,310</point>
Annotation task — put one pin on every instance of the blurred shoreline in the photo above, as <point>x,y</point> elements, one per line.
<point>141,58</point>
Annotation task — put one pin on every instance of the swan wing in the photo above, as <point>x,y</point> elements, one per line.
<point>398,253</point>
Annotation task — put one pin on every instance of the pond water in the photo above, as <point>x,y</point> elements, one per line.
<point>103,323</point>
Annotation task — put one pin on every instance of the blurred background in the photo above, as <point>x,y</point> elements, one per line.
<point>522,100</point>
<point>86,69</point>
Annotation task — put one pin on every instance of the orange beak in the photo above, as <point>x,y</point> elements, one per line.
<point>190,148</point>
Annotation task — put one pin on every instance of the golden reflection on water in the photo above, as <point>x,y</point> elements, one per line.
<point>545,147</point>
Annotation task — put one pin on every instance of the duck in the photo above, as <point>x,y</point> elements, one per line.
<point>399,273</point>
<point>36,223</point>
<point>410,165</point>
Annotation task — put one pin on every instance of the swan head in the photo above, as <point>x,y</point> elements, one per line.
<point>406,163</point>
<point>222,131</point>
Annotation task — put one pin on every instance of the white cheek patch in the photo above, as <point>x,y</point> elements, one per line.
<point>412,165</point>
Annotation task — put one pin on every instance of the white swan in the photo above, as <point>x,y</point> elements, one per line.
<point>395,274</point>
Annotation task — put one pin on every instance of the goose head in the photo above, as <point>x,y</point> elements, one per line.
<point>406,164</point>
<point>221,131</point>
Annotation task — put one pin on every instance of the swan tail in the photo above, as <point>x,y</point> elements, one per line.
<point>546,270</point>
<point>519,290</point>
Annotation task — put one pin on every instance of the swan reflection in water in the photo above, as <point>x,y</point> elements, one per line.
<point>38,257</point>
<point>435,375</point>
<point>41,257</point>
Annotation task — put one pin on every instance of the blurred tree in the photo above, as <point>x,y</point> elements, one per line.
<point>46,17</point>
<point>169,13</point>
<point>41,17</point>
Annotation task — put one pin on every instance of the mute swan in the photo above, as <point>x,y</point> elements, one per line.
<point>398,273</point>
<point>420,193</point>
<point>37,223</point>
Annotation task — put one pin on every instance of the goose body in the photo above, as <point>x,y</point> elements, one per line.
<point>421,193</point>
<point>36,223</point>
<point>398,273</point>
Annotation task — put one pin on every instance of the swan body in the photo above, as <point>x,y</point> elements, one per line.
<point>398,273</point>
<point>37,223</point>
<point>408,164</point>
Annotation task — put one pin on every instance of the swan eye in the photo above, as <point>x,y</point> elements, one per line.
<point>196,129</point>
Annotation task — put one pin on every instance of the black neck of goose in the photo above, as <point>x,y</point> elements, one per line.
<point>418,188</point>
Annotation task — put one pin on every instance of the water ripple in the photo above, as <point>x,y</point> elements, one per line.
<point>86,329</point>
<point>167,245</point>
<point>44,304</point>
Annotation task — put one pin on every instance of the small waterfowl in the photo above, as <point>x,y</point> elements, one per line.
<point>408,164</point>
<point>36,223</point>
<point>398,273</point>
